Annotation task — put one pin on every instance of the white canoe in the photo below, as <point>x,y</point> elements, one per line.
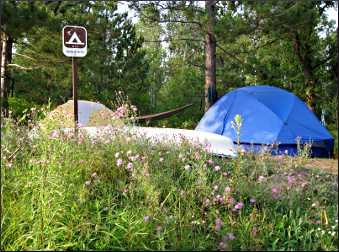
<point>216,144</point>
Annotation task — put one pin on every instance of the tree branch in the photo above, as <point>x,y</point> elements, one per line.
<point>22,67</point>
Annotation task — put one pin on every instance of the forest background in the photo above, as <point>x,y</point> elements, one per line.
<point>171,54</point>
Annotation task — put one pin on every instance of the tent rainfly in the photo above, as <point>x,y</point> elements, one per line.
<point>271,117</point>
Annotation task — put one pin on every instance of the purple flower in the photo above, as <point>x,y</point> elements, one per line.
<point>81,161</point>
<point>218,224</point>
<point>54,134</point>
<point>275,190</point>
<point>217,168</point>
<point>119,162</point>
<point>129,166</point>
<point>210,161</point>
<point>230,236</point>
<point>227,189</point>
<point>252,200</point>
<point>290,180</point>
<point>254,231</point>
<point>225,174</point>
<point>94,174</point>
<point>238,206</point>
<point>146,218</point>
<point>88,182</point>
<point>222,245</point>
<point>230,200</point>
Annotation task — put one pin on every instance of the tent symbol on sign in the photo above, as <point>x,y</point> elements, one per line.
<point>74,40</point>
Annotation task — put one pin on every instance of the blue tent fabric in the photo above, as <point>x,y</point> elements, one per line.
<point>270,115</point>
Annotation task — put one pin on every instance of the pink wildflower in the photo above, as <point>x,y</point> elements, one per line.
<point>252,200</point>
<point>239,205</point>
<point>275,190</point>
<point>119,162</point>
<point>217,168</point>
<point>227,189</point>
<point>218,224</point>
<point>146,218</point>
<point>230,236</point>
<point>129,166</point>
<point>94,174</point>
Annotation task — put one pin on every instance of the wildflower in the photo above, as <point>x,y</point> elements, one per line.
<point>187,167</point>
<point>222,245</point>
<point>158,229</point>
<point>206,202</point>
<point>275,190</point>
<point>88,182</point>
<point>117,154</point>
<point>218,224</point>
<point>239,205</point>
<point>161,159</point>
<point>134,108</point>
<point>54,134</point>
<point>125,190</point>
<point>227,189</point>
<point>210,161</point>
<point>252,200</point>
<point>9,165</point>
<point>94,174</point>
<point>119,162</point>
<point>261,179</point>
<point>217,168</point>
<point>129,153</point>
<point>304,184</point>
<point>254,231</point>
<point>146,218</point>
<point>81,161</point>
<point>230,236</point>
<point>215,187</point>
<point>207,148</point>
<point>230,200</point>
<point>225,174</point>
<point>129,166</point>
<point>290,180</point>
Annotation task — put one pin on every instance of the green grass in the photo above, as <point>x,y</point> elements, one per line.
<point>58,194</point>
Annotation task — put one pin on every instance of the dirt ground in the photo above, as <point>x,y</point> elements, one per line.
<point>329,165</point>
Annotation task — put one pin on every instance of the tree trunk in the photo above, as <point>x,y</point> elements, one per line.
<point>3,74</point>
<point>210,57</point>
<point>310,81</point>
<point>6,58</point>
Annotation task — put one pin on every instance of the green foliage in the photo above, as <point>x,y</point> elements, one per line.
<point>125,193</point>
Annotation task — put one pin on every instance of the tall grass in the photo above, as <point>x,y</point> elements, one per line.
<point>124,193</point>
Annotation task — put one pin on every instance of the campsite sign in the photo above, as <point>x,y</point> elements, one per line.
<point>74,44</point>
<point>74,41</point>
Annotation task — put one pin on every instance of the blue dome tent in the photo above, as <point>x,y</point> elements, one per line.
<point>271,116</point>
